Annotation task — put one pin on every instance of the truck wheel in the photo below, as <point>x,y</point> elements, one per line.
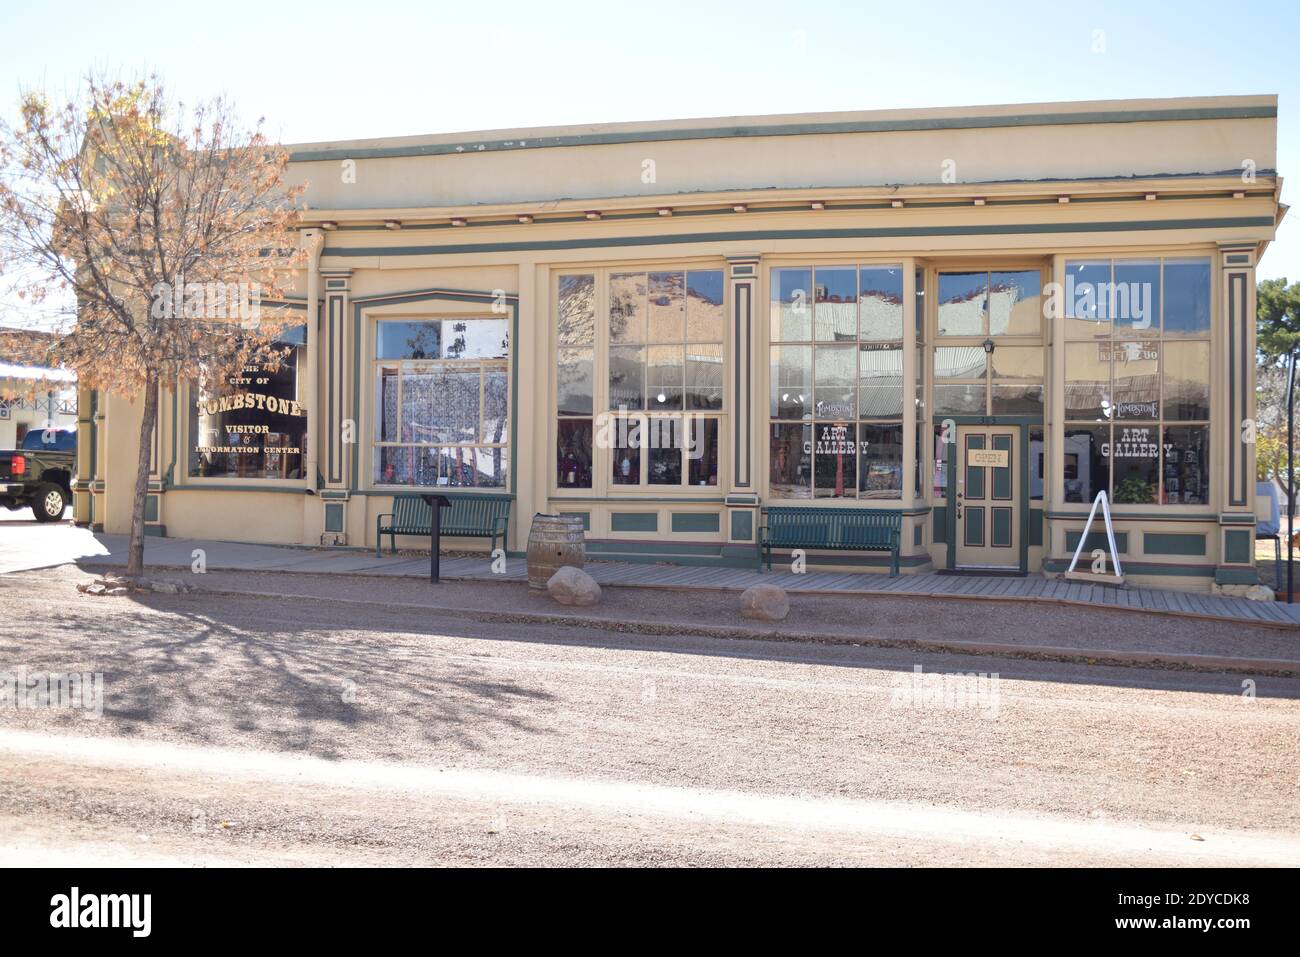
<point>49,503</point>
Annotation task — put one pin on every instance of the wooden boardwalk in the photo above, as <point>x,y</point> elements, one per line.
<point>928,585</point>
<point>177,552</point>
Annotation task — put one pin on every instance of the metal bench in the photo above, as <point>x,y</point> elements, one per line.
<point>469,516</point>
<point>839,529</point>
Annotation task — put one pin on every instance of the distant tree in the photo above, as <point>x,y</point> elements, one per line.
<point>1278,315</point>
<point>137,222</point>
<point>1270,426</point>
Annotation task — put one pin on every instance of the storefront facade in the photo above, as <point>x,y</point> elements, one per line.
<point>978,318</point>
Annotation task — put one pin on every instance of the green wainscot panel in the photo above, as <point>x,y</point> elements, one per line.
<point>1167,543</point>
<point>585,516</point>
<point>1097,540</point>
<point>634,521</point>
<point>334,518</point>
<point>696,522</point>
<point>1236,546</point>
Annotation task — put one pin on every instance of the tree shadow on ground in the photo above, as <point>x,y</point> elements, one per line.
<point>259,679</point>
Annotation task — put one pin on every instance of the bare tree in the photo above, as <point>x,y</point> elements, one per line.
<point>151,233</point>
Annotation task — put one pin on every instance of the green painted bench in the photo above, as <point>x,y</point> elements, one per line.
<point>468,516</point>
<point>840,529</point>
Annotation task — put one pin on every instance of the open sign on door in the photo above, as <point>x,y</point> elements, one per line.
<point>998,458</point>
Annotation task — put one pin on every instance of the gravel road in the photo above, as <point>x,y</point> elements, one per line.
<point>271,731</point>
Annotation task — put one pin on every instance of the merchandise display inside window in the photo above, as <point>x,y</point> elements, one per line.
<point>575,328</point>
<point>662,371</point>
<point>442,399</point>
<point>1137,390</point>
<point>836,379</point>
<point>939,475</point>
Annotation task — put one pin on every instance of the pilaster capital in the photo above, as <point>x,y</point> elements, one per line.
<point>743,265</point>
<point>312,242</point>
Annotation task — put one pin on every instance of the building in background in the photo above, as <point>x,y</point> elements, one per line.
<point>34,395</point>
<point>977,318</point>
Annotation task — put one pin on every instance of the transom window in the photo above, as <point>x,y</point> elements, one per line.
<point>442,393</point>
<point>990,373</point>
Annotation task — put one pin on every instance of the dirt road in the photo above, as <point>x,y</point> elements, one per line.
<point>252,730</point>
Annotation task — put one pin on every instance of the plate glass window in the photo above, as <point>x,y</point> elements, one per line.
<point>836,381</point>
<point>442,393</point>
<point>1137,391</point>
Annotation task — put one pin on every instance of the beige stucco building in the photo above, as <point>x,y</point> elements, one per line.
<point>978,318</point>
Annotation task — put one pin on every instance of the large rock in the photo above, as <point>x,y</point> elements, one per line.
<point>1252,592</point>
<point>573,586</point>
<point>1260,593</point>
<point>765,602</point>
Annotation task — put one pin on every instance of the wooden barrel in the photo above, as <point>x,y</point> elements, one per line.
<point>553,542</point>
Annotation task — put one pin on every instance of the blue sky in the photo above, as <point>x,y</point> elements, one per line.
<point>342,70</point>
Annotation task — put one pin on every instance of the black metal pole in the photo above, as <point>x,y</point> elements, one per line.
<point>434,535</point>
<point>1290,478</point>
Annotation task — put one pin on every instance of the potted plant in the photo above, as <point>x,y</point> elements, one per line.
<point>1133,491</point>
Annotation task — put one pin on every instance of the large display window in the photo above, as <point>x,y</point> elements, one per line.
<point>639,372</point>
<point>441,402</point>
<point>836,382</point>
<point>254,424</point>
<point>1137,389</point>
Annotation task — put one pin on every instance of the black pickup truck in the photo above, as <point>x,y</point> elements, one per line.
<point>40,473</point>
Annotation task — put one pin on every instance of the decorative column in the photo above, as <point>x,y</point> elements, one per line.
<point>745,350</point>
<point>1233,422</point>
<point>915,517</point>
<point>313,241</point>
<point>339,437</point>
<point>1054,413</point>
<point>339,429</point>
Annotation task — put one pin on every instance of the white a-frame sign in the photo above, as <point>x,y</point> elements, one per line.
<point>1118,577</point>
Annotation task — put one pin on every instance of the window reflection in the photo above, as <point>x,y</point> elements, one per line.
<point>1151,369</point>
<point>1015,303</point>
<point>963,301</point>
<point>846,382</point>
